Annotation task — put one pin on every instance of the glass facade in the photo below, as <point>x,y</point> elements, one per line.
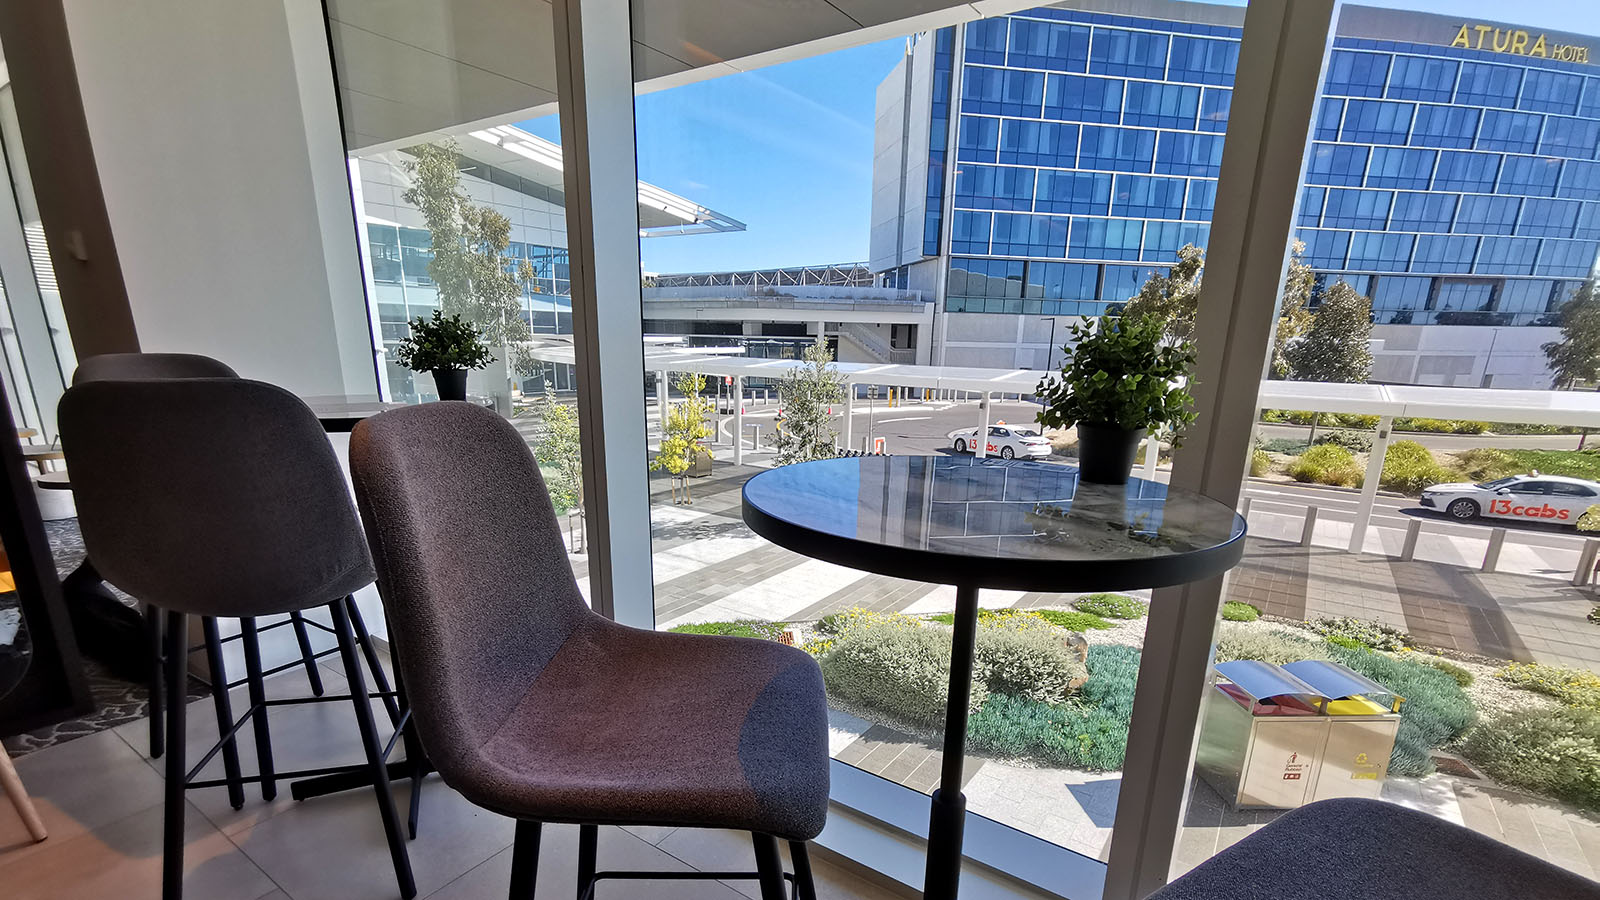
<point>1455,185</point>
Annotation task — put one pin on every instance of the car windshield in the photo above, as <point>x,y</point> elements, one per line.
<point>1499,483</point>
<point>1025,432</point>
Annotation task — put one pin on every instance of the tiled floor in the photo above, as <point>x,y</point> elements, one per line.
<point>102,802</point>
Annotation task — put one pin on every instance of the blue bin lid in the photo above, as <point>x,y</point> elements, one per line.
<point>1334,681</point>
<point>1263,679</point>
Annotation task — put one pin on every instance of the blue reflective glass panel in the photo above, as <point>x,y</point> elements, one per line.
<point>977,139</point>
<point>1080,98</point>
<point>1487,214</point>
<point>1019,234</point>
<point>1105,238</point>
<point>1580,180</point>
<point>1135,54</point>
<point>1379,251</point>
<point>1357,209</point>
<point>1513,132</point>
<point>1418,211</point>
<point>1394,293</point>
<point>1376,122</point>
<point>1049,45</point>
<point>1575,138</point>
<point>1188,153</point>
<point>1422,78</point>
<point>1357,74</point>
<point>1523,296</point>
<point>1571,259</point>
<point>1073,192</point>
<point>1215,104</point>
<point>1117,149</point>
<point>1451,127</point>
<point>1203,61</point>
<point>1532,175</point>
<point>1163,239</point>
<point>1444,253</point>
<point>1336,165</point>
<point>1460,170</point>
<point>1161,105</point>
<point>1325,249</point>
<point>1548,218</point>
<point>1202,200</point>
<point>1330,111</point>
<point>994,187</point>
<point>986,41</point>
<point>1487,84</point>
<point>1310,214</point>
<point>1547,91</point>
<point>969,231</point>
<point>1588,227</point>
<point>1148,197</point>
<point>1507,256</point>
<point>1030,143</point>
<point>1399,167</point>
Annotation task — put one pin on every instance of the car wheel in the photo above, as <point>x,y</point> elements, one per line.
<point>1007,453</point>
<point>1462,509</point>
<point>961,445</point>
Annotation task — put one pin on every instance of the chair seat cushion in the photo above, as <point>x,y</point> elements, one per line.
<point>631,726</point>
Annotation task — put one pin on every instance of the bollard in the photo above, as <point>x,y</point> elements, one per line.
<point>1491,557</point>
<point>1408,551</point>
<point>1310,526</point>
<point>755,439</point>
<point>1585,571</point>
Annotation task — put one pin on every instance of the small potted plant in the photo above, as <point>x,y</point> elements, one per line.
<point>447,346</point>
<point>1118,379</point>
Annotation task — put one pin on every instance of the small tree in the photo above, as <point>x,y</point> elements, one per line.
<point>806,430</point>
<point>470,269</point>
<point>1293,316</point>
<point>558,447</point>
<point>1335,347</point>
<point>1172,298</point>
<point>683,431</point>
<point>1576,357</point>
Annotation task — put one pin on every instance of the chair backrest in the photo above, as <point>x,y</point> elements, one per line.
<point>214,496</point>
<point>130,366</point>
<point>476,584</point>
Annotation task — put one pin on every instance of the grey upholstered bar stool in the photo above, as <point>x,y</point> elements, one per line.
<point>222,497</point>
<point>533,706</point>
<point>140,366</point>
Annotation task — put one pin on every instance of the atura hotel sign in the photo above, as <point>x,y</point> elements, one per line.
<point>1519,42</point>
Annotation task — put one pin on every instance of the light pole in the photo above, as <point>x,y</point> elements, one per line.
<point>1050,352</point>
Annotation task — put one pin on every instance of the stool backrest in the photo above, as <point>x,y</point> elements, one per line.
<point>212,496</point>
<point>474,575</point>
<point>129,366</point>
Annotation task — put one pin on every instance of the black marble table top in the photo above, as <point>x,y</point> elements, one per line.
<point>991,523</point>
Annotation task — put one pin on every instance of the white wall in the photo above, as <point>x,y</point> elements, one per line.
<point>1463,355</point>
<point>218,149</point>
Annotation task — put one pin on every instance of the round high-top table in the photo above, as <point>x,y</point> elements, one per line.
<point>987,523</point>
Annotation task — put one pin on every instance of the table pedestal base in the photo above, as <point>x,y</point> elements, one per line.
<point>947,817</point>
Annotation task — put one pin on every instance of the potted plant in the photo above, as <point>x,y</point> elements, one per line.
<point>682,454</point>
<point>447,346</point>
<point>1118,379</point>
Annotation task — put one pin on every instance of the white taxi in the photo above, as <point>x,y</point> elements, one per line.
<point>1005,441</point>
<point>1532,497</point>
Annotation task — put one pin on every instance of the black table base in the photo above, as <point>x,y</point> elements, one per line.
<point>947,817</point>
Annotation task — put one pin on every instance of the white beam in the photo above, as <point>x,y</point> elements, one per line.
<point>1152,455</point>
<point>738,420</point>
<point>849,414</point>
<point>1369,487</point>
<point>981,445</point>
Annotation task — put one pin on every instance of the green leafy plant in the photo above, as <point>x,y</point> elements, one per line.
<point>1326,464</point>
<point>1368,633</point>
<point>1486,464</point>
<point>1354,441</point>
<point>442,343</point>
<point>1260,463</point>
<point>1553,752</point>
<point>806,393</point>
<point>1119,372</point>
<point>1031,662</point>
<point>1409,467</point>
<point>1112,606</point>
<point>1090,731</point>
<point>749,628</point>
<point>900,671</point>
<point>1348,643</point>
<point>1594,615</point>
<point>1073,620</point>
<point>1460,673</point>
<point>1237,611</point>
<point>1334,345</point>
<point>685,427</point>
<point>1436,711</point>
<point>559,450</point>
<point>1573,687</point>
<point>1236,641</point>
<point>1576,357</point>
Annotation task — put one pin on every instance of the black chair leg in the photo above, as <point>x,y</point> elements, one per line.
<point>588,851</point>
<point>251,640</point>
<point>152,624</point>
<point>525,860</point>
<point>370,651</point>
<point>417,759</point>
<point>172,818</point>
<point>307,655</point>
<point>801,857</point>
<point>376,769</point>
<point>769,865</point>
<point>224,709</point>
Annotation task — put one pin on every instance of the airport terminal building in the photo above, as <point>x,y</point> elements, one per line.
<point>1038,166</point>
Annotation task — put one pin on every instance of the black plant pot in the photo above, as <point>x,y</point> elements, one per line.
<point>452,383</point>
<point>1106,452</point>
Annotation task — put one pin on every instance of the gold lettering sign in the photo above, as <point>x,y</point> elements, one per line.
<point>1516,41</point>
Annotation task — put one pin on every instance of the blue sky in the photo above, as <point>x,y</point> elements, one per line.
<point>788,149</point>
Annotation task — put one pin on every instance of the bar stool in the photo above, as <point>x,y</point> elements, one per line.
<point>86,579</point>
<point>533,706</point>
<point>221,497</point>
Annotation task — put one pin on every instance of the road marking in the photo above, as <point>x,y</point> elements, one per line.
<point>907,419</point>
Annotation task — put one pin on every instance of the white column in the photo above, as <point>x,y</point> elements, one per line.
<point>849,414</point>
<point>982,444</point>
<point>661,402</point>
<point>1280,68</point>
<point>738,420</point>
<point>1369,487</point>
<point>1152,455</point>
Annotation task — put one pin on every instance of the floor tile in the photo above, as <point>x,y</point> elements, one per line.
<point>77,787</point>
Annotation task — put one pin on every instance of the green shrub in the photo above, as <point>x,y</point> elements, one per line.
<point>1072,620</point>
<point>1326,464</point>
<point>1575,463</point>
<point>1435,713</point>
<point>1408,467</point>
<point>1268,645</point>
<point>1112,606</point>
<point>1236,611</point>
<point>1470,427</point>
<point>1351,420</point>
<point>1007,617</point>
<point>1349,643</point>
<point>1486,464</point>
<point>1286,416</point>
<point>1573,687</point>
<point>1035,663</point>
<point>1291,446</point>
<point>835,624</point>
<point>1260,463</point>
<point>1354,441</point>
<point>1088,732</point>
<point>750,628</point>
<point>1460,673</point>
<point>1368,633</point>
<point>904,672</point>
<point>1594,615</point>
<point>1554,752</point>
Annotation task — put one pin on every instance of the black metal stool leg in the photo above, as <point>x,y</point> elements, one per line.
<point>152,623</point>
<point>250,638</point>
<point>172,818</point>
<point>415,757</point>
<point>525,860</point>
<point>370,651</point>
<point>769,865</point>
<point>801,857</point>
<point>588,851</point>
<point>224,708</point>
<point>376,770</point>
<point>307,655</point>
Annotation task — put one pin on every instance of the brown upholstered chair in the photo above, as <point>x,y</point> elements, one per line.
<point>138,366</point>
<point>533,706</point>
<point>222,497</point>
